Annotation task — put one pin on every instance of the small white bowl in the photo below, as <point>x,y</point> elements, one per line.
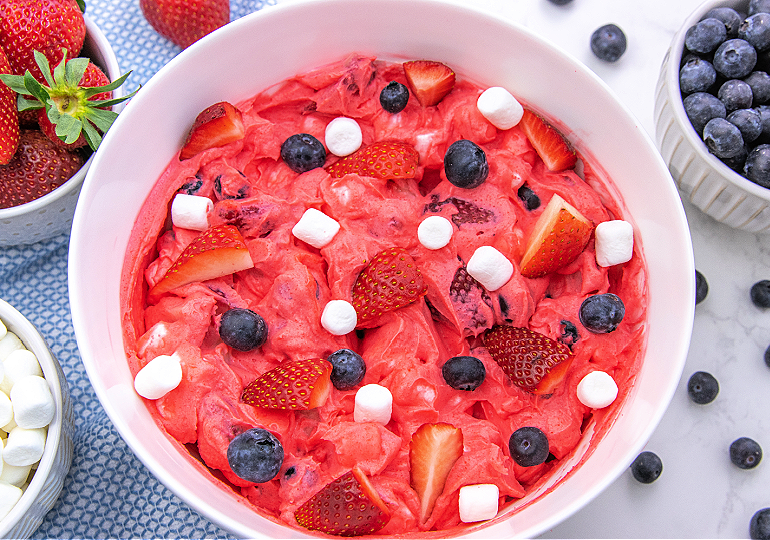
<point>701,177</point>
<point>46,483</point>
<point>52,213</point>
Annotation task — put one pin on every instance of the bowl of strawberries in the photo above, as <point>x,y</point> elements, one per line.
<point>42,167</point>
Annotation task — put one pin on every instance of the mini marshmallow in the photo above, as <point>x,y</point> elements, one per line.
<point>339,317</point>
<point>24,446</point>
<point>597,390</point>
<point>191,211</point>
<point>9,343</point>
<point>7,428</point>
<point>478,502</point>
<point>435,232</point>
<point>316,228</point>
<point>159,377</point>
<point>6,409</point>
<point>18,364</point>
<point>498,106</point>
<point>614,242</point>
<point>490,268</point>
<point>9,496</point>
<point>343,136</point>
<point>3,329</point>
<point>33,404</point>
<point>16,476</point>
<point>374,403</point>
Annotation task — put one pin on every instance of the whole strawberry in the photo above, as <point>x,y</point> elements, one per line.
<point>9,116</point>
<point>38,168</point>
<point>53,27</point>
<point>184,22</point>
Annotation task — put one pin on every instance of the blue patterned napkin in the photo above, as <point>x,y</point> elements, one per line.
<point>108,493</point>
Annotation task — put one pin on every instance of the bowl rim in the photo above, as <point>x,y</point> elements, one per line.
<point>671,75</point>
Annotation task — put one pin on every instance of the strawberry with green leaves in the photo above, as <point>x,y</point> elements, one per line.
<point>9,116</point>
<point>386,160</point>
<point>293,385</point>
<point>184,22</point>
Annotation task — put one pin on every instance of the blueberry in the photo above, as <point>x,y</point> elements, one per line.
<point>608,42</point>
<point>748,122</point>
<point>394,97</point>
<point>705,36</point>
<point>528,446</point>
<point>528,197</point>
<point>729,17</point>
<point>465,164</point>
<point>745,453</point>
<point>759,526</point>
<point>759,6</point>
<point>701,287</point>
<point>722,138</point>
<point>702,107</point>
<point>242,329</point>
<point>767,356</point>
<point>464,372</point>
<point>737,163</point>
<point>757,168</point>
<point>756,30</point>
<point>348,369</point>
<point>255,455</point>
<point>602,313</point>
<point>735,58</point>
<point>191,187</point>
<point>735,94</point>
<point>759,81</point>
<point>702,387</point>
<point>760,294</point>
<point>560,2</point>
<point>647,467</point>
<point>696,75</point>
<point>303,152</point>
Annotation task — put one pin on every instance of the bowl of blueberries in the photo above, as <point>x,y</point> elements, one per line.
<point>712,111</point>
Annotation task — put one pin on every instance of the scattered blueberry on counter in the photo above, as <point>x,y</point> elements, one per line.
<point>760,294</point>
<point>759,527</point>
<point>745,453</point>
<point>647,467</point>
<point>701,287</point>
<point>608,42</point>
<point>767,357</point>
<point>702,387</point>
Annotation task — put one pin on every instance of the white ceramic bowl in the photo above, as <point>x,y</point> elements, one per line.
<point>701,177</point>
<point>52,213</point>
<point>266,47</point>
<point>46,483</point>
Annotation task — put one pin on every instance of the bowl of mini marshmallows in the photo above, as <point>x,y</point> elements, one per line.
<point>36,426</point>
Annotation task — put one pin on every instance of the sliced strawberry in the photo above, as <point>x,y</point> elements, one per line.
<point>295,384</point>
<point>529,359</point>
<point>383,159</point>
<point>217,125</point>
<point>348,506</point>
<point>430,81</point>
<point>390,281</point>
<point>216,252</point>
<point>560,235</point>
<point>432,454</point>
<point>555,152</point>
<point>9,116</point>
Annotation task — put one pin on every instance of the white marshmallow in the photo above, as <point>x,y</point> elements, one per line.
<point>490,268</point>
<point>614,242</point>
<point>343,136</point>
<point>478,502</point>
<point>374,403</point>
<point>6,409</point>
<point>435,232</point>
<point>597,390</point>
<point>9,343</point>
<point>159,377</point>
<point>316,228</point>
<point>3,330</point>
<point>9,496</point>
<point>16,476</point>
<point>339,317</point>
<point>33,404</point>
<point>18,364</point>
<point>24,446</point>
<point>191,211</point>
<point>499,107</point>
<point>7,428</point>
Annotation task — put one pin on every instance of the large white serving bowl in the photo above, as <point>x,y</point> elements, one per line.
<point>264,48</point>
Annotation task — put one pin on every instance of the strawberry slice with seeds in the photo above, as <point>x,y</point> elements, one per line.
<point>432,454</point>
<point>529,359</point>
<point>216,252</point>
<point>560,235</point>
<point>217,125</point>
<point>390,281</point>
<point>348,506</point>
<point>430,81</point>
<point>387,160</point>
<point>549,144</point>
<point>295,385</point>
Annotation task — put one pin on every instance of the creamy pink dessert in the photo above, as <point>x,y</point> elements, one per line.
<point>454,312</point>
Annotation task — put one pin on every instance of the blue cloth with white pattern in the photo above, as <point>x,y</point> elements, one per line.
<point>108,493</point>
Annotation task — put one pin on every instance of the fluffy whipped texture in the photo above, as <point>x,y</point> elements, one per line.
<point>435,232</point>
<point>490,268</point>
<point>316,228</point>
<point>33,404</point>
<point>478,502</point>
<point>343,136</point>
<point>24,446</point>
<point>500,107</point>
<point>191,211</point>
<point>159,377</point>
<point>339,317</point>
<point>597,390</point>
<point>374,403</point>
<point>614,242</point>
